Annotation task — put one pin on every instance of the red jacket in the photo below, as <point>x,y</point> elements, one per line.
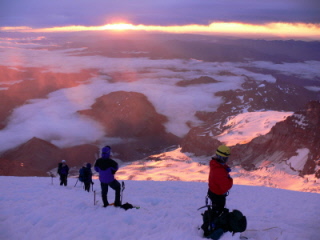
<point>219,179</point>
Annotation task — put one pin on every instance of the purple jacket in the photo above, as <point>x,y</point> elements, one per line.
<point>106,167</point>
<point>63,169</point>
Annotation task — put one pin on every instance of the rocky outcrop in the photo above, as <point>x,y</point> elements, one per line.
<point>199,143</point>
<point>253,96</point>
<point>293,143</point>
<point>200,80</point>
<point>36,157</point>
<point>127,114</point>
<point>81,154</point>
<point>33,158</point>
<point>298,134</point>
<point>131,117</point>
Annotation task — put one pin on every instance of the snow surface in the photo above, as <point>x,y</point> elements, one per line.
<point>39,208</point>
<point>298,162</point>
<point>246,126</point>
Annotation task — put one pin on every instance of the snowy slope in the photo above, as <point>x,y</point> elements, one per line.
<point>246,126</point>
<point>34,208</point>
<point>177,166</point>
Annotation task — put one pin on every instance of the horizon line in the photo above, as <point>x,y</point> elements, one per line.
<point>282,30</point>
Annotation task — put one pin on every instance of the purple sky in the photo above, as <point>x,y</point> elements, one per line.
<point>48,13</point>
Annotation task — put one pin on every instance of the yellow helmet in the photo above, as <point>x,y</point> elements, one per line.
<point>223,151</point>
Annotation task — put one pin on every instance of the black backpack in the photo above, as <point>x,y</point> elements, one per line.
<point>237,221</point>
<point>81,175</point>
<point>214,226</point>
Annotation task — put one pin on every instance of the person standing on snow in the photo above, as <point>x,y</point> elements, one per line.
<point>87,177</point>
<point>63,171</point>
<point>107,167</point>
<point>220,181</point>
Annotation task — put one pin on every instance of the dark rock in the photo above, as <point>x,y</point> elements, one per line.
<point>200,80</point>
<point>199,143</point>
<point>33,158</point>
<point>131,117</point>
<point>78,155</point>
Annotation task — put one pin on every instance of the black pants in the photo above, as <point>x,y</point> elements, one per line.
<point>87,186</point>
<point>63,179</point>
<point>115,185</point>
<point>218,202</point>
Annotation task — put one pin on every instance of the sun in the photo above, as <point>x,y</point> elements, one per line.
<point>119,26</point>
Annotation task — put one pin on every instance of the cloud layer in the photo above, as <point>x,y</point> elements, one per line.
<point>55,117</point>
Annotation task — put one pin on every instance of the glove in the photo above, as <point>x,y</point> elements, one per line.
<point>228,169</point>
<point>92,183</point>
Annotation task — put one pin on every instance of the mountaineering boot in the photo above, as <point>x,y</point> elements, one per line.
<point>105,205</point>
<point>105,202</point>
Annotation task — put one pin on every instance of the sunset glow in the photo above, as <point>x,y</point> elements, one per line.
<point>274,29</point>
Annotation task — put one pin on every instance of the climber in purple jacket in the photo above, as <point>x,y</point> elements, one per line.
<point>107,167</point>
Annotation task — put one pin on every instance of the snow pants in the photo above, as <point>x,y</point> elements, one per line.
<point>115,185</point>
<point>87,186</point>
<point>218,202</point>
<point>63,179</point>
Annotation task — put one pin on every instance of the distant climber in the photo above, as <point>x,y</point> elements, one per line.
<point>63,171</point>
<point>86,176</point>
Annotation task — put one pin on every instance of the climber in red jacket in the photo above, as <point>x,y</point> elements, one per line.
<point>220,181</point>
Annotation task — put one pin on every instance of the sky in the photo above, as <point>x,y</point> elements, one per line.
<point>277,18</point>
<point>39,208</point>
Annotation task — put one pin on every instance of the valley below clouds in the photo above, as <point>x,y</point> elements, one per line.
<point>48,117</point>
<point>144,94</point>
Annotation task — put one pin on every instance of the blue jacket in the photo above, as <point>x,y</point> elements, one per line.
<point>85,174</point>
<point>106,167</point>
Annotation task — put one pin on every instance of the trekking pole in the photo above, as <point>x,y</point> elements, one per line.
<point>94,197</point>
<point>76,183</point>
<point>52,176</point>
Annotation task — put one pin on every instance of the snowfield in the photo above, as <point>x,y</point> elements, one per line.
<point>39,208</point>
<point>169,188</point>
<point>177,166</point>
<point>246,126</point>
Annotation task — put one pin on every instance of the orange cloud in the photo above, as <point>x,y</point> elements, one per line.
<point>279,30</point>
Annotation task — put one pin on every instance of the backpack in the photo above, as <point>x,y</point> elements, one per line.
<point>81,175</point>
<point>237,221</point>
<point>214,226</point>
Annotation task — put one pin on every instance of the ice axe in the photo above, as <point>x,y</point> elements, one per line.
<point>122,189</point>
